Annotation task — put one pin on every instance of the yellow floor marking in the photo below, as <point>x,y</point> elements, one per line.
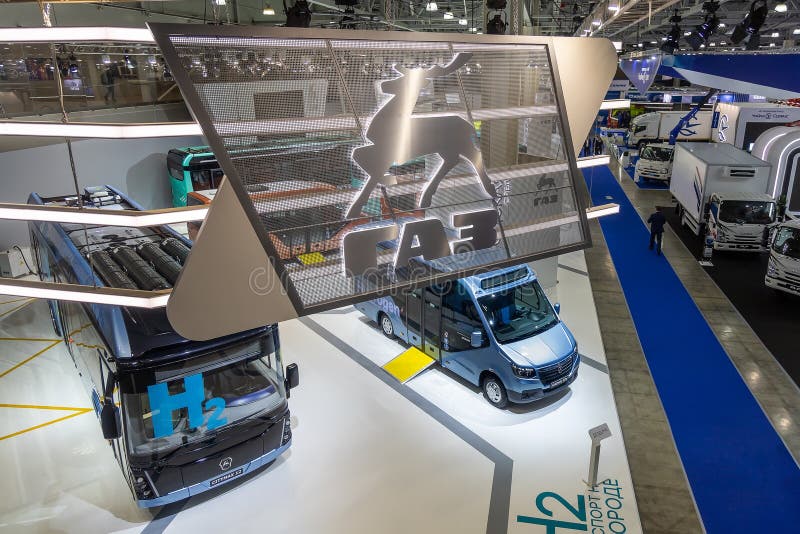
<point>28,339</point>
<point>17,308</point>
<point>23,362</point>
<point>311,258</point>
<point>38,407</point>
<point>14,300</point>
<point>78,411</point>
<point>408,364</point>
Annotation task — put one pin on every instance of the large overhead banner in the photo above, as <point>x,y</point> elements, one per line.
<point>367,162</point>
<point>641,71</point>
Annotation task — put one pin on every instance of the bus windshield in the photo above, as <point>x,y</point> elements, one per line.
<point>518,313</point>
<point>247,376</point>
<point>747,212</point>
<point>787,242</point>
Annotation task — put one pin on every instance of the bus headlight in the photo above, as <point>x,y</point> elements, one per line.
<point>523,372</point>
<point>287,430</point>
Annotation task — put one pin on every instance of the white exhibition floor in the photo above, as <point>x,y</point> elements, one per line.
<point>369,455</point>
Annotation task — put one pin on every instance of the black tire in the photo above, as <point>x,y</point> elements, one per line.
<point>494,391</point>
<point>386,325</point>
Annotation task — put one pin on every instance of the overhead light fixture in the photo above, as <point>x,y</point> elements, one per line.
<point>687,34</point>
<point>673,38</point>
<point>77,293</point>
<point>128,218</point>
<point>781,7</point>
<point>299,15</point>
<point>67,34</point>
<point>448,14</point>
<point>496,26</point>
<point>431,6</point>
<point>596,22</point>
<point>612,6</point>
<point>709,25</point>
<point>774,35</point>
<point>463,22</point>
<point>99,130</point>
<point>750,25</point>
<point>604,209</point>
<point>219,2</point>
<point>796,31</point>
<point>473,30</point>
<point>268,10</point>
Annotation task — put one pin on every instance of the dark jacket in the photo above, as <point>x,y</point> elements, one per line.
<point>657,221</point>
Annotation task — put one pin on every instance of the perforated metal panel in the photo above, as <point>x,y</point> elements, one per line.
<point>333,132</point>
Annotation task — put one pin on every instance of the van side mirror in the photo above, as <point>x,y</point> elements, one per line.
<point>476,339</point>
<point>557,308</point>
<point>110,421</point>
<point>292,377</point>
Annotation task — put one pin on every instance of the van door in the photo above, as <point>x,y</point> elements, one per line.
<point>431,323</point>
<point>413,317</point>
<point>460,319</point>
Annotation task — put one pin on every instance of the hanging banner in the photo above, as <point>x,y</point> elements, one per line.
<point>641,71</point>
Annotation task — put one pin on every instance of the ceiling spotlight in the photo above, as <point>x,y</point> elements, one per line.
<point>473,30</point>
<point>431,6</point>
<point>750,25</point>
<point>774,34</point>
<point>613,7</point>
<point>448,14</point>
<point>299,15</point>
<point>222,2</point>
<point>496,26</point>
<point>721,25</point>
<point>596,22</point>
<point>704,30</point>
<point>687,34</point>
<point>796,31</point>
<point>781,7</point>
<point>268,10</point>
<point>462,22</point>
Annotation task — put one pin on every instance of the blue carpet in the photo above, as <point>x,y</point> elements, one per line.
<point>743,477</point>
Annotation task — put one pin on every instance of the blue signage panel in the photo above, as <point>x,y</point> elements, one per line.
<point>641,71</point>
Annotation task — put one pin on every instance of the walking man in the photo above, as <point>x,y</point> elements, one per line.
<point>656,221</point>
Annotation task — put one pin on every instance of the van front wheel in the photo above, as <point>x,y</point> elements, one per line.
<point>494,391</point>
<point>386,325</point>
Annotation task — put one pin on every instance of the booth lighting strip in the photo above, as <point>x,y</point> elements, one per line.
<point>89,294</point>
<point>74,34</point>
<point>593,161</point>
<point>620,103</point>
<point>138,298</point>
<point>129,218</point>
<point>103,131</point>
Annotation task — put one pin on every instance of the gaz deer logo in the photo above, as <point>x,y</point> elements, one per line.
<point>396,136</point>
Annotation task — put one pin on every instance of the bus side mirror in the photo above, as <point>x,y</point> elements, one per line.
<point>292,377</point>
<point>557,308</point>
<point>476,339</point>
<point>110,421</point>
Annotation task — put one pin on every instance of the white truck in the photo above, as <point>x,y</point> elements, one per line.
<point>720,192</point>
<point>655,163</point>
<point>783,269</point>
<point>740,123</point>
<point>656,126</point>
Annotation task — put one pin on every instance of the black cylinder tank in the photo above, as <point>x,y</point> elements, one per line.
<point>176,249</point>
<point>111,273</point>
<point>138,269</point>
<point>163,262</point>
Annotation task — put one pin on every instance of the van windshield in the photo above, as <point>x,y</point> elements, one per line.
<point>787,242</point>
<point>747,212</point>
<point>654,153</point>
<point>518,313</point>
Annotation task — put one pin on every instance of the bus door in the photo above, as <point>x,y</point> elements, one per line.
<point>431,323</point>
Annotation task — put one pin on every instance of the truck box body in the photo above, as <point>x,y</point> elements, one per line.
<point>656,126</point>
<point>740,123</point>
<point>701,169</point>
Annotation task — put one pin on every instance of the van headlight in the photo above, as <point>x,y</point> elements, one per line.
<point>772,269</point>
<point>523,372</point>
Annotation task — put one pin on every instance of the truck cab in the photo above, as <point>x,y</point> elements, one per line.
<point>736,221</point>
<point>655,163</point>
<point>783,269</point>
<point>643,129</point>
<point>496,330</point>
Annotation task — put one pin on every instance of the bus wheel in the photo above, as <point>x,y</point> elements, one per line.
<point>494,391</point>
<point>386,325</point>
